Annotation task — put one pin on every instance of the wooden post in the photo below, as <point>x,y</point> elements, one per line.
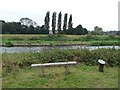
<point>66,69</point>
<point>101,65</point>
<point>42,72</point>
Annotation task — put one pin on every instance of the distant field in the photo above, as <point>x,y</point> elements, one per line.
<point>60,39</point>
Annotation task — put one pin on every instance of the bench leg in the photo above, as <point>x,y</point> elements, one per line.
<point>42,72</point>
<point>66,70</point>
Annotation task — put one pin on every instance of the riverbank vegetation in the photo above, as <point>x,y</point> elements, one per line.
<point>95,40</point>
<point>16,66</point>
<point>18,73</point>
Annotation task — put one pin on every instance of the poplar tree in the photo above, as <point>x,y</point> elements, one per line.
<point>65,22</point>
<point>53,22</point>
<point>70,24</point>
<point>59,22</point>
<point>47,21</point>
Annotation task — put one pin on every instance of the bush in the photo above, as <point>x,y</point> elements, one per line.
<point>105,43</point>
<point>9,44</point>
<point>88,57</point>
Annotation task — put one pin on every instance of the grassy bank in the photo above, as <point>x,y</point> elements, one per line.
<point>17,72</point>
<point>16,61</point>
<point>81,76</point>
<point>60,39</point>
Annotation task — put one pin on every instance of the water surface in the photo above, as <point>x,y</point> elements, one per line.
<point>38,49</point>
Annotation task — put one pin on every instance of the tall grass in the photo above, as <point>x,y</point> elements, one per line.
<point>16,61</point>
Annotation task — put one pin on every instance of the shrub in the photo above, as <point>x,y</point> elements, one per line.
<point>88,57</point>
<point>9,44</point>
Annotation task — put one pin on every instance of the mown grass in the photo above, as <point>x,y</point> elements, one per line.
<point>81,76</point>
<point>61,39</point>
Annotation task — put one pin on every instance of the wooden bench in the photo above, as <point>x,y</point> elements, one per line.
<point>65,64</point>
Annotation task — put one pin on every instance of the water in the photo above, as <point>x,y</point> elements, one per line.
<point>38,49</point>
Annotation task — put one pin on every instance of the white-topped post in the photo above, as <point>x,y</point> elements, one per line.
<point>101,65</point>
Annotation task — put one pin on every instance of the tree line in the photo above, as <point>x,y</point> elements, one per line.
<point>28,26</point>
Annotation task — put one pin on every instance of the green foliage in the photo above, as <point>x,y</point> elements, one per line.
<point>59,23</point>
<point>105,43</point>
<point>9,44</point>
<point>97,31</point>
<point>79,30</point>
<point>53,22</point>
<point>47,21</point>
<point>111,36</point>
<point>70,22</point>
<point>65,22</point>
<point>28,26</point>
<point>88,57</point>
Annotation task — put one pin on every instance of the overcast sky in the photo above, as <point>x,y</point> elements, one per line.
<point>88,13</point>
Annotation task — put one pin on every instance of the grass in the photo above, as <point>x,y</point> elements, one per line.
<point>60,39</point>
<point>81,76</point>
<point>16,61</point>
<point>17,72</point>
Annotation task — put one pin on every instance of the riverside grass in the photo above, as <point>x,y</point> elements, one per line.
<point>61,39</point>
<point>17,72</point>
<point>81,76</point>
<point>86,56</point>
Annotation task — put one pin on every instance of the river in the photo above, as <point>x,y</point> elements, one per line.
<point>38,49</point>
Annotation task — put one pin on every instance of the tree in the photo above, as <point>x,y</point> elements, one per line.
<point>70,24</point>
<point>28,22</point>
<point>65,23</point>
<point>47,21</point>
<point>70,31</point>
<point>78,30</point>
<point>97,31</point>
<point>2,26</point>
<point>24,29</point>
<point>59,22</point>
<point>11,28</point>
<point>43,30</point>
<point>53,22</point>
<point>85,31</point>
<point>31,30</point>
